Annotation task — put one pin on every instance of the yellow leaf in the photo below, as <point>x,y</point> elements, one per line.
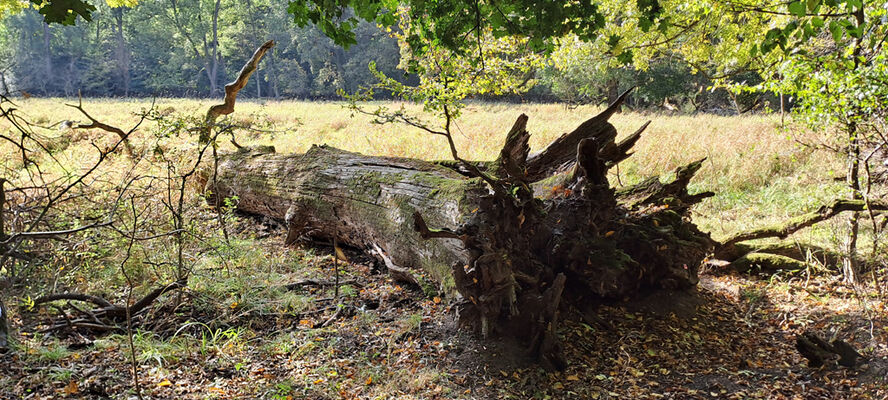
<point>340,255</point>
<point>557,386</point>
<point>71,388</point>
<point>609,234</point>
<point>233,305</point>
<point>573,378</point>
<point>164,383</point>
<point>319,380</point>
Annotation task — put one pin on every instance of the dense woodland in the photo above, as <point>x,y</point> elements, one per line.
<point>192,48</point>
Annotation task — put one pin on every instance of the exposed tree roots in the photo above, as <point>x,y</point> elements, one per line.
<point>477,231</point>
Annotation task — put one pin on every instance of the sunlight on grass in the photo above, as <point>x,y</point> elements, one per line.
<point>760,174</point>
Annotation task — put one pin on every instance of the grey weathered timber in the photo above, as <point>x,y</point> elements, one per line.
<point>366,202</point>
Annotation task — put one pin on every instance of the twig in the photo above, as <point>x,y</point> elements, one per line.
<point>332,318</point>
<point>94,123</point>
<point>74,296</point>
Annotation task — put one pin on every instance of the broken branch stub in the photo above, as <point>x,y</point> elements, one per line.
<point>231,90</point>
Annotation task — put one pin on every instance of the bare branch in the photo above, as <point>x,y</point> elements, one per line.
<point>96,124</point>
<point>824,213</point>
<point>231,90</point>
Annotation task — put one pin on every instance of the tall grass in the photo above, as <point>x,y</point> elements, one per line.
<point>760,172</point>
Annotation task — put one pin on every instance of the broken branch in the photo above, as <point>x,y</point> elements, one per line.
<point>231,89</point>
<point>824,213</point>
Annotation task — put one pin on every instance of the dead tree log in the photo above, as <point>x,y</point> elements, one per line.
<point>513,258</point>
<point>3,329</point>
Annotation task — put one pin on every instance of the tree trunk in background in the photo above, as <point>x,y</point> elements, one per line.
<point>121,53</point>
<point>211,51</point>
<point>47,59</point>
<point>4,88</point>
<point>477,229</point>
<point>272,76</point>
<point>849,263</point>
<point>258,85</point>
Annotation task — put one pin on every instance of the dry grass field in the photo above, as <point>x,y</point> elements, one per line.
<point>761,173</point>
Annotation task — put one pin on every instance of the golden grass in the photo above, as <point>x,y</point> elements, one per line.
<point>761,174</point>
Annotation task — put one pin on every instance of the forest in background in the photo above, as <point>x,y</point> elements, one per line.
<point>192,48</point>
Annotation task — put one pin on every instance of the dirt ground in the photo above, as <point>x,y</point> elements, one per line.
<point>731,338</point>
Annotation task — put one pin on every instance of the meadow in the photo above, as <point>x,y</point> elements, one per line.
<point>762,172</point>
<point>237,333</point>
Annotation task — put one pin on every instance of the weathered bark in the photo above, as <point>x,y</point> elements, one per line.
<point>367,202</point>
<point>513,258</point>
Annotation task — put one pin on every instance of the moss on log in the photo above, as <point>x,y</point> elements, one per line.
<point>512,259</point>
<point>366,202</point>
<point>767,262</point>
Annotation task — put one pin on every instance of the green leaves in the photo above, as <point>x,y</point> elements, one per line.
<point>64,12</point>
<point>650,11</point>
<point>328,15</point>
<point>798,8</point>
<point>836,30</point>
<point>773,38</point>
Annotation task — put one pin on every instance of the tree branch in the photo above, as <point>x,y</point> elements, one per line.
<point>824,213</point>
<point>231,90</point>
<point>96,124</point>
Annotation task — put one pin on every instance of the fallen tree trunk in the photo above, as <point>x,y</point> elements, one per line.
<point>775,257</point>
<point>366,202</point>
<point>478,229</point>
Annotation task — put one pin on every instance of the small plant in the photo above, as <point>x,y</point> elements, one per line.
<point>283,390</point>
<point>59,374</point>
<point>752,294</point>
<point>52,352</point>
<point>151,348</point>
